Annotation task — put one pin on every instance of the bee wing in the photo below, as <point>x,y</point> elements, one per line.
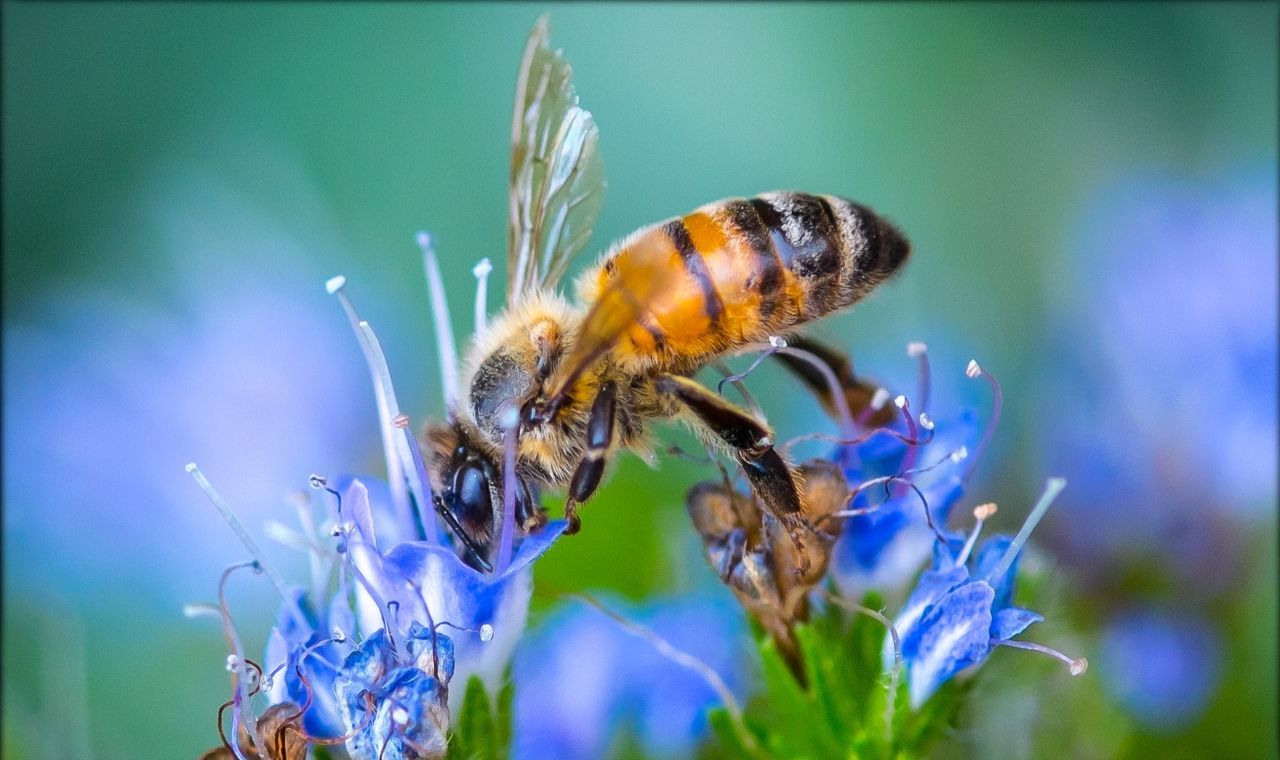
<point>557,174</point>
<point>648,271</point>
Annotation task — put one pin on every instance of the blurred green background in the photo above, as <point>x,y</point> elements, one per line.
<point>148,146</point>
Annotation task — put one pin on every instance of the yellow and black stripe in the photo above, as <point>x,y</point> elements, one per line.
<point>751,268</point>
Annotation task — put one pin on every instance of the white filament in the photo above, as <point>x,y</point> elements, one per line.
<point>445,347</point>
<point>395,467</point>
<point>405,446</point>
<point>1052,488</point>
<point>481,272</point>
<point>237,527</point>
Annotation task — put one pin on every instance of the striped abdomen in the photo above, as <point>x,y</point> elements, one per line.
<point>742,270</point>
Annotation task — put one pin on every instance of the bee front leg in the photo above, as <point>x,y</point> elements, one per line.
<point>587,476</point>
<point>772,480</point>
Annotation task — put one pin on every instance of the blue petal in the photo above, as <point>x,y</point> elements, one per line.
<point>953,634</point>
<point>356,508</point>
<point>410,719</point>
<point>944,554</point>
<point>1011,621</point>
<point>431,652</point>
<point>340,616</point>
<point>985,561</point>
<point>535,545</point>
<point>455,593</point>
<point>393,526</point>
<point>323,717</point>
<point>584,679</point>
<point>932,586</point>
<point>297,632</point>
<point>874,541</point>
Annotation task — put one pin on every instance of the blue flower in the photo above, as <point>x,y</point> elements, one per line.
<point>396,705</point>
<point>311,659</point>
<point>961,607</point>
<point>1162,667</point>
<point>889,537</point>
<point>588,685</point>
<point>371,668</point>
<point>398,600</point>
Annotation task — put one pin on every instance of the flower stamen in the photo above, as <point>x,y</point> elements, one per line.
<point>424,501</point>
<point>895,673</point>
<point>481,271</point>
<point>445,346</point>
<point>1052,488</point>
<point>975,370</point>
<point>1076,665</point>
<point>686,661</point>
<point>980,515</point>
<point>395,464</point>
<point>405,445</point>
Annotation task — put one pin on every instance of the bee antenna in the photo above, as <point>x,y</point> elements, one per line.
<point>445,346</point>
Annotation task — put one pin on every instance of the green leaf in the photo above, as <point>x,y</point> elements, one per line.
<point>476,733</point>
<point>838,706</point>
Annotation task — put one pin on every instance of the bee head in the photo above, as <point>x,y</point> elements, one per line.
<point>523,352</point>
<point>469,483</point>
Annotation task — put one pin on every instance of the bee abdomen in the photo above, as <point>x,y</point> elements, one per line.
<point>833,251</point>
<point>751,268</point>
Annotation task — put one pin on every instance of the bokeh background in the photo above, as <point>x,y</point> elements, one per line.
<point>1091,191</point>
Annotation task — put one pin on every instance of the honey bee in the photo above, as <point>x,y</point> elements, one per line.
<point>565,385</point>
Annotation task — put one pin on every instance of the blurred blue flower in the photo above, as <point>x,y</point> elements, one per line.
<point>1162,667</point>
<point>111,386</point>
<point>1164,399</point>
<point>587,686</point>
<point>961,610</point>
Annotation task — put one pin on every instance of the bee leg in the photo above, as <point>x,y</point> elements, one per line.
<point>772,480</point>
<point>529,513</point>
<point>586,478</point>
<point>858,392</point>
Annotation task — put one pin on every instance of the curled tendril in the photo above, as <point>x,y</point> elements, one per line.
<point>828,438</point>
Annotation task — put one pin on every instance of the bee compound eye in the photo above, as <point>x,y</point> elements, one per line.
<point>471,491</point>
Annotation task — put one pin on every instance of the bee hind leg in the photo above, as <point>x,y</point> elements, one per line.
<point>858,393</point>
<point>772,479</point>
<point>587,476</point>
